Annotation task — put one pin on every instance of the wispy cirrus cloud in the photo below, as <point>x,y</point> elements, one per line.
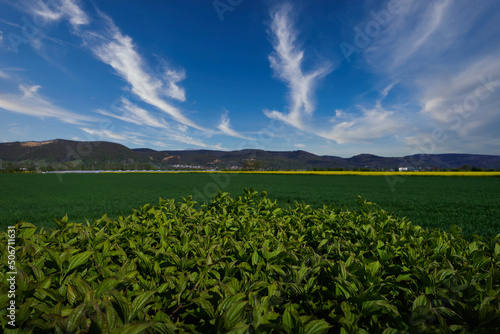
<point>30,102</point>
<point>134,114</point>
<point>3,75</point>
<point>111,46</point>
<point>225,127</point>
<point>119,51</point>
<point>372,124</point>
<point>156,137</point>
<point>442,53</point>
<point>464,91</point>
<point>57,10</point>
<point>366,125</point>
<point>286,62</point>
<point>102,134</point>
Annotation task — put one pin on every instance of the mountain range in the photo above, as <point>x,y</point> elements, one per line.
<point>60,154</point>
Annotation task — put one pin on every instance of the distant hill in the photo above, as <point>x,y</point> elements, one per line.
<point>66,154</point>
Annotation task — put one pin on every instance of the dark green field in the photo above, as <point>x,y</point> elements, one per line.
<point>473,203</point>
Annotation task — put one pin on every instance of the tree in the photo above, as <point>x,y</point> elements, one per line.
<point>465,167</point>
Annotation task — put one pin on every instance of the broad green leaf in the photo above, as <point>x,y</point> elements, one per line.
<point>139,302</point>
<point>374,267</point>
<point>497,250</point>
<point>123,305</point>
<point>54,256</point>
<point>444,273</point>
<point>78,260</point>
<point>421,301</point>
<point>164,328</point>
<point>39,275</point>
<point>101,321</point>
<point>390,331</point>
<point>206,306</point>
<point>71,294</point>
<point>223,305</point>
<point>132,329</point>
<point>373,306</point>
<point>292,320</point>
<point>25,310</point>
<point>22,280</point>
<point>235,312</point>
<point>111,315</point>
<point>316,327</point>
<point>75,318</point>
<point>255,258</point>
<point>106,285</point>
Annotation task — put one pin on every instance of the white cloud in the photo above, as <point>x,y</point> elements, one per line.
<point>418,32</point>
<point>30,102</point>
<point>225,127</point>
<point>464,108</point>
<point>119,51</point>
<point>4,75</point>
<point>59,9</point>
<point>476,83</point>
<point>438,52</point>
<point>286,62</point>
<point>373,124</point>
<point>420,37</point>
<point>339,113</point>
<point>102,134</point>
<point>171,77</point>
<point>176,135</point>
<point>136,115</point>
<point>187,140</point>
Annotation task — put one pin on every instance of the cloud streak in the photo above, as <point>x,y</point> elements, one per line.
<point>286,62</point>
<point>30,102</point>
<point>441,52</point>
<point>4,75</point>
<point>131,113</point>
<point>59,9</point>
<point>225,127</point>
<point>119,51</point>
<point>374,123</point>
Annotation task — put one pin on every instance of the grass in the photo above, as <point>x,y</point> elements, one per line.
<point>433,202</point>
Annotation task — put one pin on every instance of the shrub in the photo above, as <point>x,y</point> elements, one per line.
<point>246,265</point>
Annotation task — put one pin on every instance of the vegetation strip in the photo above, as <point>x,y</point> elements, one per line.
<point>431,202</point>
<point>245,264</point>
<point>362,173</point>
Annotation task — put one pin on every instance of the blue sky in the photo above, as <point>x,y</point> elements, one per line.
<point>339,78</point>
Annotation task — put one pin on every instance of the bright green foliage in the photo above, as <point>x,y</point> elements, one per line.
<point>246,265</point>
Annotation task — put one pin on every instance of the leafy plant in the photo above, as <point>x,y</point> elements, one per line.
<point>246,265</point>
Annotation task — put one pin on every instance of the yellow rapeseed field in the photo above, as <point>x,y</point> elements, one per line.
<point>374,173</point>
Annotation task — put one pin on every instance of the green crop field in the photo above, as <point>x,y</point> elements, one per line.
<point>435,202</point>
